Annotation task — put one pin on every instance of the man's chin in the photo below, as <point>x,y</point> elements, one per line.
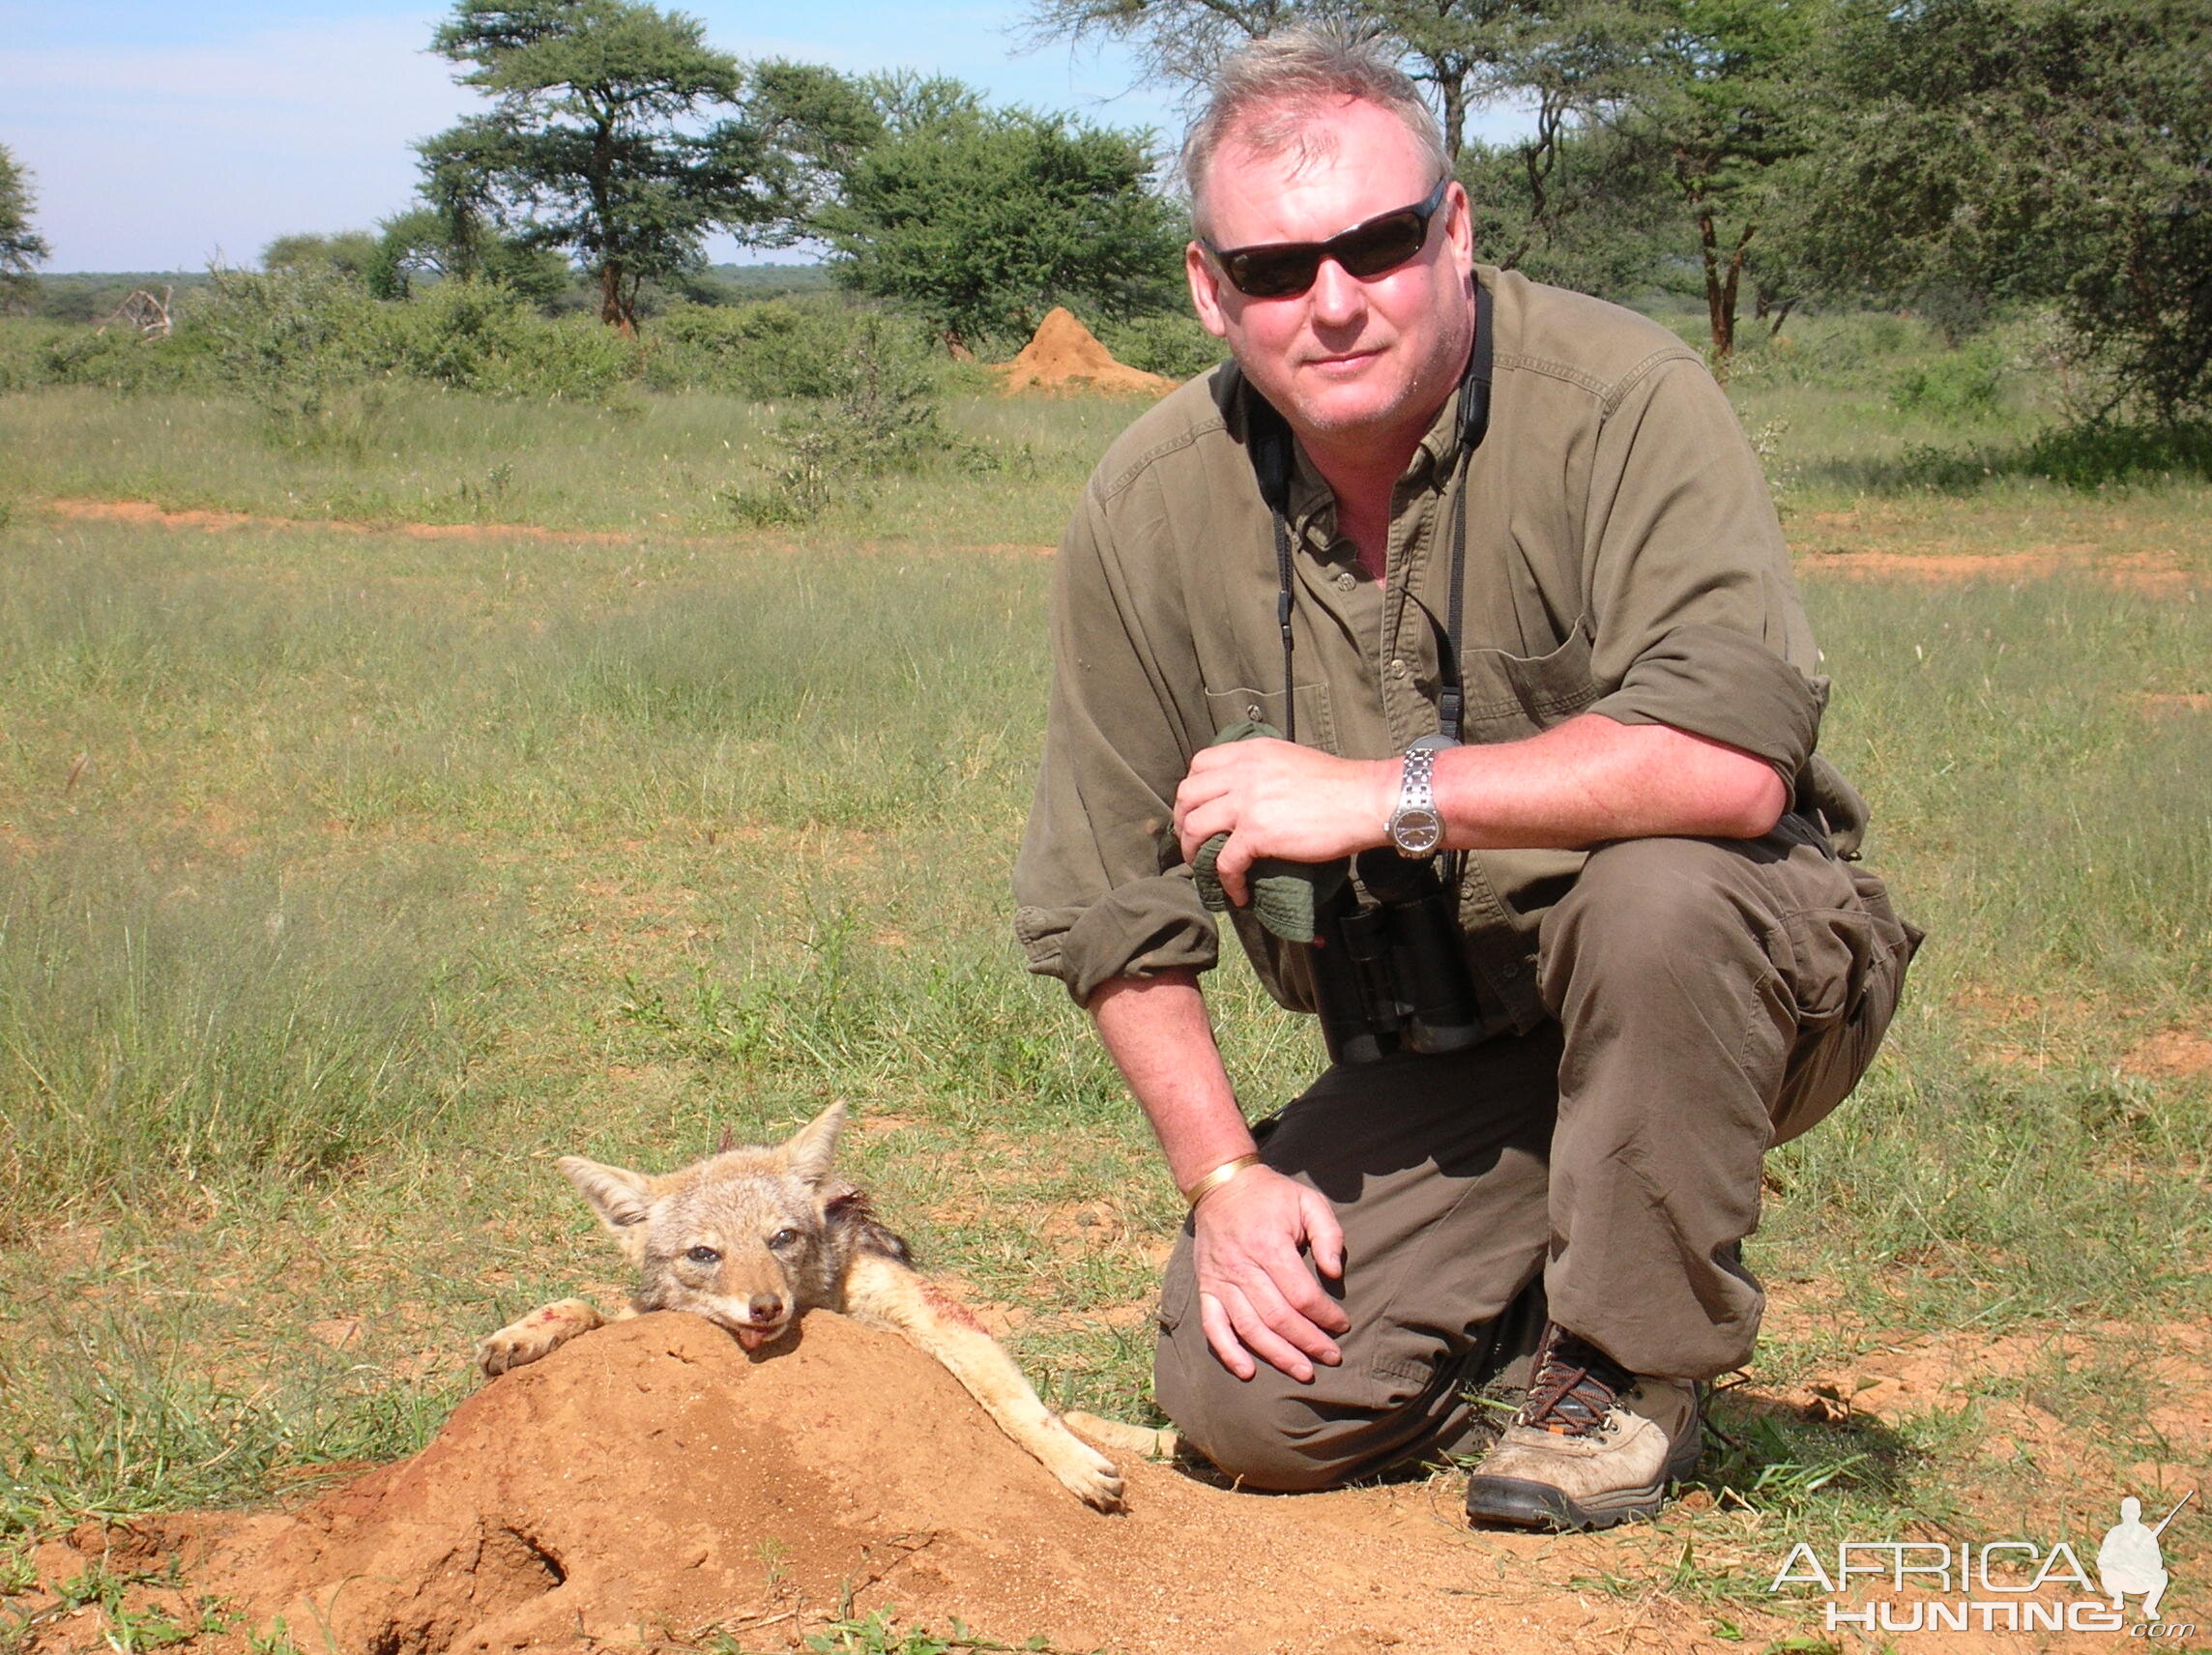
<point>1345,406</point>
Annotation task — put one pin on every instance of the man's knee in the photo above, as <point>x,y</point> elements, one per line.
<point>1271,1432</point>
<point>1649,903</point>
<point>1256,1430</point>
<point>1267,1431</point>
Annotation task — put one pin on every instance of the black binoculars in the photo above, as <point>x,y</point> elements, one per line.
<point>1390,975</point>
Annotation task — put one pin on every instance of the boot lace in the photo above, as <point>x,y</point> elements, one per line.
<point>1574,1387</point>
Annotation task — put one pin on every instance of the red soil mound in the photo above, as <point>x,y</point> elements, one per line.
<point>1065,355</point>
<point>654,1476</point>
<point>654,1486</point>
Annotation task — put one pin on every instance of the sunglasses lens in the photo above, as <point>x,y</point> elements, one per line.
<point>1275,273</point>
<point>1287,269</point>
<point>1382,245</point>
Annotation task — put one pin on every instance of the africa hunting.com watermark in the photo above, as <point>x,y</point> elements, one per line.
<point>2002,1586</point>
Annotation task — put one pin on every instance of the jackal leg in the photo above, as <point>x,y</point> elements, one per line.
<point>540,1333</point>
<point>891,1294</point>
<point>1141,1441</point>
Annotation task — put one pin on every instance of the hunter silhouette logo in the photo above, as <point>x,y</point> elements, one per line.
<point>2129,1562</point>
<point>1999,1585</point>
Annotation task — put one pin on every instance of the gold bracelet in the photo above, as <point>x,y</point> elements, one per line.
<point>1215,1180</point>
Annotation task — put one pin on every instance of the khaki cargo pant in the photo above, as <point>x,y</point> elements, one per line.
<point>1710,997</point>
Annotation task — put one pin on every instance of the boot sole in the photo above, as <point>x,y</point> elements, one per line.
<point>1517,1502</point>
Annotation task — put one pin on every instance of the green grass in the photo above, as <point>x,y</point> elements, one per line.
<point>346,877</point>
<point>649,464</point>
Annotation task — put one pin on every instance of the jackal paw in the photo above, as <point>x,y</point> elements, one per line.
<point>540,1333</point>
<point>1082,1469</point>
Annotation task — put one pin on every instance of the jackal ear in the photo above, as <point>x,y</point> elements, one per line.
<point>620,1198</point>
<point>809,1151</point>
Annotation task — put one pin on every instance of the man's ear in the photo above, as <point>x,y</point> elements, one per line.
<point>810,1149</point>
<point>1205,290</point>
<point>1460,227</point>
<point>620,1198</point>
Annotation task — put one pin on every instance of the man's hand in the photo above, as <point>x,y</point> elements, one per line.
<point>1255,1296</point>
<point>1276,799</point>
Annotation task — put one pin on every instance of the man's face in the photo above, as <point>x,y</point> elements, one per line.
<point>1347,360</point>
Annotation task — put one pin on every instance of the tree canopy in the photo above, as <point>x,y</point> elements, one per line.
<point>1718,93</point>
<point>619,136</point>
<point>350,253</point>
<point>20,246</point>
<point>2055,151</point>
<point>984,219</point>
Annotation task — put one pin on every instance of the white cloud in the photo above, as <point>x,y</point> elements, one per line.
<point>151,157</point>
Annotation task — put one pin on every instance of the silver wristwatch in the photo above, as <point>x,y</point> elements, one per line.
<point>1416,827</point>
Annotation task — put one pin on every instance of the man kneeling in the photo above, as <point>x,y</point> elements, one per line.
<point>1445,640</point>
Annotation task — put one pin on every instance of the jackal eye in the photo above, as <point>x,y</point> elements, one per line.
<point>782,1239</point>
<point>703,1256</point>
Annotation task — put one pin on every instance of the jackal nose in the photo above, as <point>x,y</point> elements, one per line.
<point>763,1308</point>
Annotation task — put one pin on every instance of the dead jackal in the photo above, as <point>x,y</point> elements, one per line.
<point>752,1238</point>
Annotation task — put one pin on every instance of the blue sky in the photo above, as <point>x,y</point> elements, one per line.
<point>166,136</point>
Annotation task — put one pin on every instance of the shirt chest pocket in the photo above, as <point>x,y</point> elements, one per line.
<point>1510,697</point>
<point>1316,724</point>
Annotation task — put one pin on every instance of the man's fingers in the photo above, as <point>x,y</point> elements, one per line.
<point>1230,868</point>
<point>1284,1295</point>
<point>1324,1237</point>
<point>1264,1343</point>
<point>1222,1339</point>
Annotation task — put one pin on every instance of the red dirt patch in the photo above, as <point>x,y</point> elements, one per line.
<point>2135,571</point>
<point>2187,701</point>
<point>2176,1053</point>
<point>146,514</point>
<point>1066,355</point>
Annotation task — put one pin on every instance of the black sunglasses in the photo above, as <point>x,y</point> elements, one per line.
<point>1284,270</point>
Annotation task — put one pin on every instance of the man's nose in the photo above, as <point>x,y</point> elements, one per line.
<point>1339,298</point>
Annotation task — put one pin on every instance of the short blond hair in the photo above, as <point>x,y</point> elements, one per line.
<point>1271,94</point>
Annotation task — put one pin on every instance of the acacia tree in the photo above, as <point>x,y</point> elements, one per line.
<point>1720,92</point>
<point>1553,196</point>
<point>983,218</point>
<point>619,136</point>
<point>2026,150</point>
<point>20,248</point>
<point>1180,43</point>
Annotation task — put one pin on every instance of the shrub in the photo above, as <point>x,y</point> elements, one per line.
<point>1166,343</point>
<point>36,352</point>
<point>485,338</point>
<point>295,342</point>
<point>775,350</point>
<point>1961,384</point>
<point>882,415</point>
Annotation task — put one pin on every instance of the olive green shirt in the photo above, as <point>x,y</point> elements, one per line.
<point>1622,558</point>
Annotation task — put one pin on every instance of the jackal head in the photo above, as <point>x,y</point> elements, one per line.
<point>742,1238</point>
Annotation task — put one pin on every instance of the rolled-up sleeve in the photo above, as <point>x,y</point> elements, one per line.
<point>1696,617</point>
<point>1100,888</point>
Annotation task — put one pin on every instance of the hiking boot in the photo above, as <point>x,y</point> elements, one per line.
<point>1593,1445</point>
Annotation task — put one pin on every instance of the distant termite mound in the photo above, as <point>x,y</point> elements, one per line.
<point>1066,355</point>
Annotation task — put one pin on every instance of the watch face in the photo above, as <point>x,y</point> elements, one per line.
<point>1416,831</point>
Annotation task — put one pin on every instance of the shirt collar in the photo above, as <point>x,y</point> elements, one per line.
<point>1313,504</point>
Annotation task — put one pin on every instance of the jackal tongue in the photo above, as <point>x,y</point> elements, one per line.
<point>753,1338</point>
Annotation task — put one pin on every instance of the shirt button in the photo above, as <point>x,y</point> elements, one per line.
<point>1398,669</point>
<point>1345,581</point>
<point>1253,713</point>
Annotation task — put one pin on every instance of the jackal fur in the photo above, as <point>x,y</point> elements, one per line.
<point>754,1237</point>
